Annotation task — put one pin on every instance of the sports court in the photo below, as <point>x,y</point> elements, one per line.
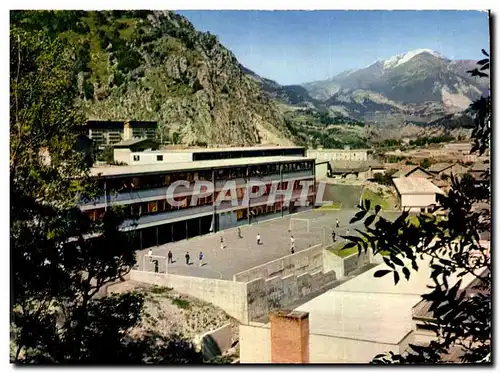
<point>241,254</point>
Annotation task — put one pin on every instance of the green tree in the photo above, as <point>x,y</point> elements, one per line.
<point>60,259</point>
<point>460,321</point>
<point>426,163</point>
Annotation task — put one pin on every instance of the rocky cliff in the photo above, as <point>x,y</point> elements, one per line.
<point>154,65</point>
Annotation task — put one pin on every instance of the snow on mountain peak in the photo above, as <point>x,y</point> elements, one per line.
<point>405,57</point>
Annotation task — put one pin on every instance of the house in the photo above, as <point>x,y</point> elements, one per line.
<point>447,169</point>
<point>413,171</point>
<point>417,194</point>
<point>478,170</point>
<point>361,170</point>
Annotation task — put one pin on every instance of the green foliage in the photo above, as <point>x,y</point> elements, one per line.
<point>181,303</point>
<point>376,199</point>
<point>426,163</point>
<point>384,178</point>
<point>459,320</point>
<point>422,141</point>
<point>57,272</point>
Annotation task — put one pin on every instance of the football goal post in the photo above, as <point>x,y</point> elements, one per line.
<point>296,223</point>
<point>154,263</point>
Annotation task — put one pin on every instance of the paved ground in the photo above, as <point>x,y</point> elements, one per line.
<point>242,254</point>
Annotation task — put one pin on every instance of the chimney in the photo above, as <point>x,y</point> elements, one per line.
<point>289,337</point>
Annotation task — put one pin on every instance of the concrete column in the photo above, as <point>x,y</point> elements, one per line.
<point>290,337</point>
<point>281,182</point>
<point>213,204</point>
<point>314,183</point>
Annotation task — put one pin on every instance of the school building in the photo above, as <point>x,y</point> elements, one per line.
<point>142,191</point>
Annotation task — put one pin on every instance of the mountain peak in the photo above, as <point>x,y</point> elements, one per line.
<point>405,57</point>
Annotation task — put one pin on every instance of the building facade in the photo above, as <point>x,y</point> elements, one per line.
<point>192,155</point>
<point>358,155</point>
<point>105,133</point>
<point>142,191</point>
<point>416,194</point>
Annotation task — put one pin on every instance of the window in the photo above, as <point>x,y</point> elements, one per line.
<point>137,158</point>
<point>159,158</point>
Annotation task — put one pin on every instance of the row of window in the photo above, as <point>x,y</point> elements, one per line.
<point>153,207</point>
<point>203,156</point>
<point>160,181</point>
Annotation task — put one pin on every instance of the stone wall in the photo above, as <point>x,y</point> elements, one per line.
<point>266,295</point>
<point>309,260</point>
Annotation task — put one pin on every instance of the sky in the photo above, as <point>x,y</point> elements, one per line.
<point>294,47</point>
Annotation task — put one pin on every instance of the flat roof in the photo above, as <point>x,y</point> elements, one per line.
<point>96,123</point>
<point>130,142</point>
<point>415,185</point>
<point>332,150</point>
<point>381,318</point>
<point>227,149</point>
<point>184,166</point>
<point>373,309</point>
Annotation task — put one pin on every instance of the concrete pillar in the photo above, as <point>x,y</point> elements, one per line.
<point>127,131</point>
<point>289,337</point>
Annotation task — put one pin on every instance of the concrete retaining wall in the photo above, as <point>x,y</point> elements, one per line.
<point>309,260</point>
<point>346,266</point>
<point>266,295</point>
<point>216,342</point>
<point>354,262</point>
<point>230,296</point>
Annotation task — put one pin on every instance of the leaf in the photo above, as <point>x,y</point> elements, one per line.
<point>359,215</point>
<point>406,272</point>
<point>367,204</point>
<point>377,209</point>
<point>485,67</point>
<point>414,265</point>
<point>349,245</point>
<point>381,272</point>
<point>396,278</point>
<point>388,262</point>
<point>396,260</point>
<point>369,220</point>
<point>484,52</point>
<point>482,62</point>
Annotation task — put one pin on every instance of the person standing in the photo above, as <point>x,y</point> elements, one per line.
<point>169,256</point>
<point>334,236</point>
<point>187,257</point>
<point>201,258</point>
<point>239,233</point>
<point>150,254</point>
<point>337,222</point>
<point>292,242</point>
<point>258,239</point>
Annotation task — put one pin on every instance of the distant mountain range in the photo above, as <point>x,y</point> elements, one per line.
<point>419,86</point>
